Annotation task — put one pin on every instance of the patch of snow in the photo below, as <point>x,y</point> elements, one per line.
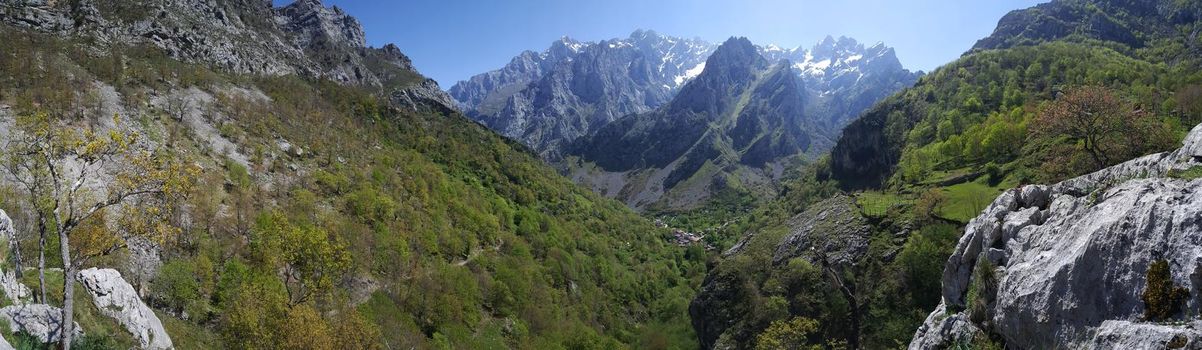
<point>821,65</point>
<point>690,74</point>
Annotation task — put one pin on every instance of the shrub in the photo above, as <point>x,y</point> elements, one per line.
<point>982,291</point>
<point>927,203</point>
<point>177,287</point>
<point>1162,298</point>
<point>993,173</point>
<point>788,334</point>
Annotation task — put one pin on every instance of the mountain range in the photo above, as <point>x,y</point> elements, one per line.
<point>547,100</point>
<point>575,102</point>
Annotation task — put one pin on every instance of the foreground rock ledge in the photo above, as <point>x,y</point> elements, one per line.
<point>1071,259</point>
<point>41,321</point>
<point>117,299</point>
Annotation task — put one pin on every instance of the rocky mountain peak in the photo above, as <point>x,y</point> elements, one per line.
<point>734,56</point>
<point>312,21</point>
<point>548,99</point>
<point>565,47</point>
<point>392,54</point>
<point>733,66</point>
<point>831,47</point>
<point>735,49</point>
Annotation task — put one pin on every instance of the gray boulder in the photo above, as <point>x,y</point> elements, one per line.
<point>943,331</point>
<point>115,298</point>
<point>1133,335</point>
<point>1071,259</point>
<point>39,320</point>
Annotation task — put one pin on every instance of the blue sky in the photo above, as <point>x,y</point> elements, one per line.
<point>451,40</point>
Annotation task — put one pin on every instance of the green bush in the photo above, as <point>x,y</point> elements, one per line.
<point>177,287</point>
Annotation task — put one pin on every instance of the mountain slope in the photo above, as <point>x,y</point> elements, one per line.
<point>872,147</point>
<point>741,123</point>
<point>547,100</point>
<point>726,128</point>
<point>844,77</point>
<point>319,154</point>
<point>924,163</point>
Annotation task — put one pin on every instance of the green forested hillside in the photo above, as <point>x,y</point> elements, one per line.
<point>374,227</point>
<point>923,162</point>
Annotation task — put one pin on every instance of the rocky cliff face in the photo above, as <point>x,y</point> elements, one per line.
<point>1065,265</point>
<point>727,128</point>
<point>241,36</point>
<point>843,77</point>
<point>548,99</point>
<point>1131,23</point>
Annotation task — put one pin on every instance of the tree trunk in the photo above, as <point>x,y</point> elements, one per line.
<point>67,327</point>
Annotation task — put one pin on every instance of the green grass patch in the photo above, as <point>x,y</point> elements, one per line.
<point>1187,174</point>
<point>965,201</point>
<point>877,204</point>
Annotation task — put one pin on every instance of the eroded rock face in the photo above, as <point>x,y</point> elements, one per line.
<point>1071,259</point>
<point>242,36</point>
<point>39,320</point>
<point>833,228</point>
<point>117,299</point>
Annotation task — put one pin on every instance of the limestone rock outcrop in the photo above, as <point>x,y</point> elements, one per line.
<point>12,288</point>
<point>39,320</point>
<point>1071,259</point>
<point>115,298</point>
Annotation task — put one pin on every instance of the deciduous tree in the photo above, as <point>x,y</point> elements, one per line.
<point>1107,128</point>
<point>73,174</point>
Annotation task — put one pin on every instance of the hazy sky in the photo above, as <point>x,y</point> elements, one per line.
<point>451,40</point>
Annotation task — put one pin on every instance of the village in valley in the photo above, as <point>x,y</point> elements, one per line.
<point>684,238</point>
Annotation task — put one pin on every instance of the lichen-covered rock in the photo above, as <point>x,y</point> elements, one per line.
<point>1134,335</point>
<point>39,320</point>
<point>1072,258</point>
<point>115,298</point>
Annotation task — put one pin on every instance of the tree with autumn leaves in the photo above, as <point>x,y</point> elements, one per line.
<point>73,175</point>
<point>1098,126</point>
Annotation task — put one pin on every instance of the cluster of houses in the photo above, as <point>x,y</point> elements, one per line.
<point>681,237</point>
